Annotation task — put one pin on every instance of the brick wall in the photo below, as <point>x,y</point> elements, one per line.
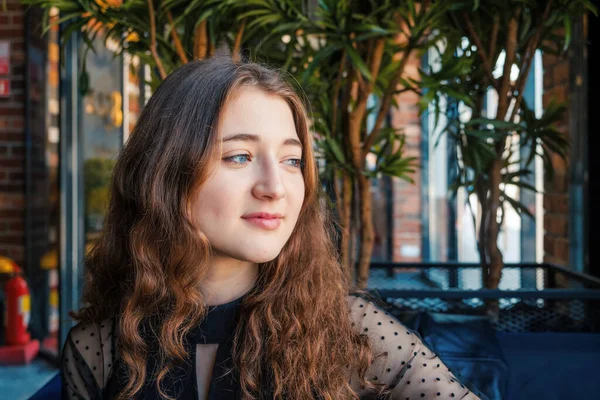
<point>24,173</point>
<point>12,155</point>
<point>556,199</point>
<point>407,222</point>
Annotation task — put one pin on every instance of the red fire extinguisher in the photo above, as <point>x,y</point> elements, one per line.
<point>18,309</point>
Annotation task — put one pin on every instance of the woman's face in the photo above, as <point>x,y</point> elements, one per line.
<point>259,172</point>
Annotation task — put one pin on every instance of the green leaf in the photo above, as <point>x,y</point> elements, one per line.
<point>358,61</point>
<point>523,185</point>
<point>497,124</point>
<point>336,150</point>
<point>568,35</point>
<point>519,207</point>
<point>590,6</point>
<point>319,57</point>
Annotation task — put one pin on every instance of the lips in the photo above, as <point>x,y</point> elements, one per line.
<point>262,215</point>
<point>264,220</point>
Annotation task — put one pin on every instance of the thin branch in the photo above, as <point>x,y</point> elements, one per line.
<point>200,40</point>
<point>336,93</point>
<point>494,39</point>
<point>511,52</point>
<point>238,42</point>
<point>347,90</point>
<point>487,66</point>
<point>361,81</point>
<point>358,113</point>
<point>528,57</point>
<point>159,65</point>
<point>175,36</point>
<point>481,191</point>
<point>386,101</point>
<point>370,51</point>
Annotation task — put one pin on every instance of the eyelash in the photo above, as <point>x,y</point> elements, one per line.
<point>230,160</point>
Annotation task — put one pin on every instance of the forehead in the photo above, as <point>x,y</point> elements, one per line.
<point>254,111</point>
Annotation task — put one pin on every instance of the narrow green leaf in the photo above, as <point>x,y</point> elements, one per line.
<point>568,35</point>
<point>358,61</point>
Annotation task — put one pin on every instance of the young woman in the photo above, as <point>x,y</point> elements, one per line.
<point>215,276</point>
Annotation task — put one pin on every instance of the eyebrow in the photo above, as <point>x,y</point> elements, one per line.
<point>247,137</point>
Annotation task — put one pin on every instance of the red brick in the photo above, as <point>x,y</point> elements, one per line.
<point>16,176</point>
<point>410,207</point>
<point>560,73</point>
<point>548,244</point>
<point>9,214</point>
<point>14,252</point>
<point>11,187</point>
<point>8,110</point>
<point>11,137</point>
<point>10,238</point>
<point>11,201</point>
<point>406,225</point>
<point>20,47</point>
<point>11,162</point>
<point>556,224</point>
<point>18,19</point>
<point>9,31</point>
<point>558,185</point>
<point>558,94</point>
<point>561,248</point>
<point>17,150</point>
<point>556,203</point>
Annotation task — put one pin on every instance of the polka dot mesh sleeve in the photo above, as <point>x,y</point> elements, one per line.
<point>86,361</point>
<point>401,360</point>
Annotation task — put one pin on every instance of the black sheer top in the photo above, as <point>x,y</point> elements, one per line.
<point>91,368</point>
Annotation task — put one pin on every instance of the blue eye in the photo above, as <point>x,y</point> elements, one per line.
<point>298,163</point>
<point>234,159</point>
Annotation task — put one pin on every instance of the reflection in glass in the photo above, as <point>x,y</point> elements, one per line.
<point>102,121</point>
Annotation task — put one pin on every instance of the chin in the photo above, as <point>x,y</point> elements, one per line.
<point>253,255</point>
<point>262,258</point>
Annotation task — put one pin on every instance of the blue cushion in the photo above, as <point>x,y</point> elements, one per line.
<point>468,345</point>
<point>551,365</point>
<point>50,391</point>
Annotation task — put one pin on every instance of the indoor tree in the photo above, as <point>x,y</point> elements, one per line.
<point>490,46</point>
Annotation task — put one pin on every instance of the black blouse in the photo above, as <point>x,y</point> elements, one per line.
<point>91,368</point>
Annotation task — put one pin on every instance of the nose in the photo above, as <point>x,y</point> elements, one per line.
<point>269,185</point>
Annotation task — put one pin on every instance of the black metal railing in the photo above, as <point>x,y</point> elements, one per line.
<point>531,297</point>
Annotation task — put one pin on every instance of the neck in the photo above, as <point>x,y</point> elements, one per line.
<point>227,279</point>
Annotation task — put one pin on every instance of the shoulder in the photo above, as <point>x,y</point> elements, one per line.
<point>96,331</point>
<point>88,352</point>
<point>400,356</point>
<point>368,313</point>
<point>387,335</point>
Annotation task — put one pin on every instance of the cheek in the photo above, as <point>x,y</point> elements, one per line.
<point>298,194</point>
<point>214,204</point>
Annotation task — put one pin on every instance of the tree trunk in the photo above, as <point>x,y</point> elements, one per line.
<point>367,232</point>
<point>495,265</point>
<point>345,210</point>
<point>493,228</point>
<point>200,41</point>
<point>354,227</point>
<point>481,193</point>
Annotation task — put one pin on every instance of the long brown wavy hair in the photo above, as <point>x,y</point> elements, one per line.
<point>294,331</point>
